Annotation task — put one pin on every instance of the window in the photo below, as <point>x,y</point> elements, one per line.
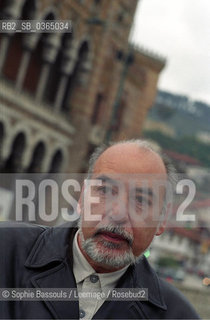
<point>97,108</point>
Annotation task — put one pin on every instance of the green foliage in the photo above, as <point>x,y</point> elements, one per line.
<point>168,262</point>
<point>165,112</point>
<point>184,145</point>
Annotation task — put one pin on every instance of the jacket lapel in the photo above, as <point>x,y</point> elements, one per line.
<point>51,260</point>
<point>139,276</point>
<point>58,277</point>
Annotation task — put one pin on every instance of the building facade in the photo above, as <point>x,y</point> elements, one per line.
<point>60,93</point>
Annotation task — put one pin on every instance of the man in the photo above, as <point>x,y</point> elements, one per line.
<point>119,219</point>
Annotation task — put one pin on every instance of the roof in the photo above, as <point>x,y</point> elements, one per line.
<point>193,234</point>
<point>201,204</point>
<point>182,157</point>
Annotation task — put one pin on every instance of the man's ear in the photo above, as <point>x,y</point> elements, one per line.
<point>162,224</point>
<point>161,228</point>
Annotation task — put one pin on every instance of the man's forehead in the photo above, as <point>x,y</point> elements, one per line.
<point>129,159</point>
<point>132,181</point>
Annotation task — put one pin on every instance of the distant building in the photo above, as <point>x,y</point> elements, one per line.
<point>186,246</point>
<point>57,90</point>
<point>159,126</point>
<point>175,111</point>
<point>187,241</point>
<point>203,137</point>
<point>182,161</point>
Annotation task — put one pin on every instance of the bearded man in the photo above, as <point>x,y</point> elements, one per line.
<point>105,251</point>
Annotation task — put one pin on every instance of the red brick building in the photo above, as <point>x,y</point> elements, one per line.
<point>57,90</point>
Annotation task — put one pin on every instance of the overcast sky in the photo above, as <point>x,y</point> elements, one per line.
<point>180,31</point>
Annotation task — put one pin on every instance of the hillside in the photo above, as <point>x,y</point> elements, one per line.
<point>181,123</point>
<point>177,111</point>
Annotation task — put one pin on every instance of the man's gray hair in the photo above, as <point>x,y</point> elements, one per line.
<point>170,169</point>
<point>171,172</point>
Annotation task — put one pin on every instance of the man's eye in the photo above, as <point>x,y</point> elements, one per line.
<point>143,201</point>
<point>104,189</point>
<point>107,190</point>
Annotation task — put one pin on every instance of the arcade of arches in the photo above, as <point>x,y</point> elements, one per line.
<point>58,90</point>
<point>18,156</point>
<point>45,67</point>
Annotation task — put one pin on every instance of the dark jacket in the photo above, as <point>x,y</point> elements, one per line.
<point>39,257</point>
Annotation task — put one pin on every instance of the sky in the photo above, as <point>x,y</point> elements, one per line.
<point>178,30</point>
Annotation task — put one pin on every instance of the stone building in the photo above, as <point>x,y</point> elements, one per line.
<point>57,90</point>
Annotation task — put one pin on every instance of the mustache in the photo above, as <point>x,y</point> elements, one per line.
<point>116,230</point>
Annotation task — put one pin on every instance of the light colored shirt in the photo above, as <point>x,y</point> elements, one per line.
<point>88,280</point>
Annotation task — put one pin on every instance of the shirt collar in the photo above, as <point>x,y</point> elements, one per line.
<point>82,269</point>
<point>54,244</point>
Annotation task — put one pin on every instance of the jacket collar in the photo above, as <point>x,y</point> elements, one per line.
<point>50,263</point>
<point>145,277</point>
<point>52,246</point>
<point>55,245</point>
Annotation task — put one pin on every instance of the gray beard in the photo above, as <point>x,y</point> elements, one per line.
<point>105,255</point>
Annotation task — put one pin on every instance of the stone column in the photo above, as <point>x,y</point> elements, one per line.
<point>29,44</point>
<point>84,72</point>
<point>50,51</point>
<point>67,68</point>
<point>11,11</point>
<point>22,69</point>
<point>4,48</point>
<point>60,93</point>
<point>42,81</point>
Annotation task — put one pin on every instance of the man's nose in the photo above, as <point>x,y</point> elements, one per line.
<point>118,210</point>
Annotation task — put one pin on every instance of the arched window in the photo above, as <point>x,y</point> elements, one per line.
<point>2,5</point>
<point>37,159</point>
<point>120,114</point>
<point>63,58</point>
<point>75,75</point>
<point>29,9</point>
<point>15,50</point>
<point>98,109</point>
<point>36,61</point>
<point>1,139</point>
<point>14,162</point>
<point>97,2</point>
<point>56,162</point>
<point>13,58</point>
<point>4,39</point>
